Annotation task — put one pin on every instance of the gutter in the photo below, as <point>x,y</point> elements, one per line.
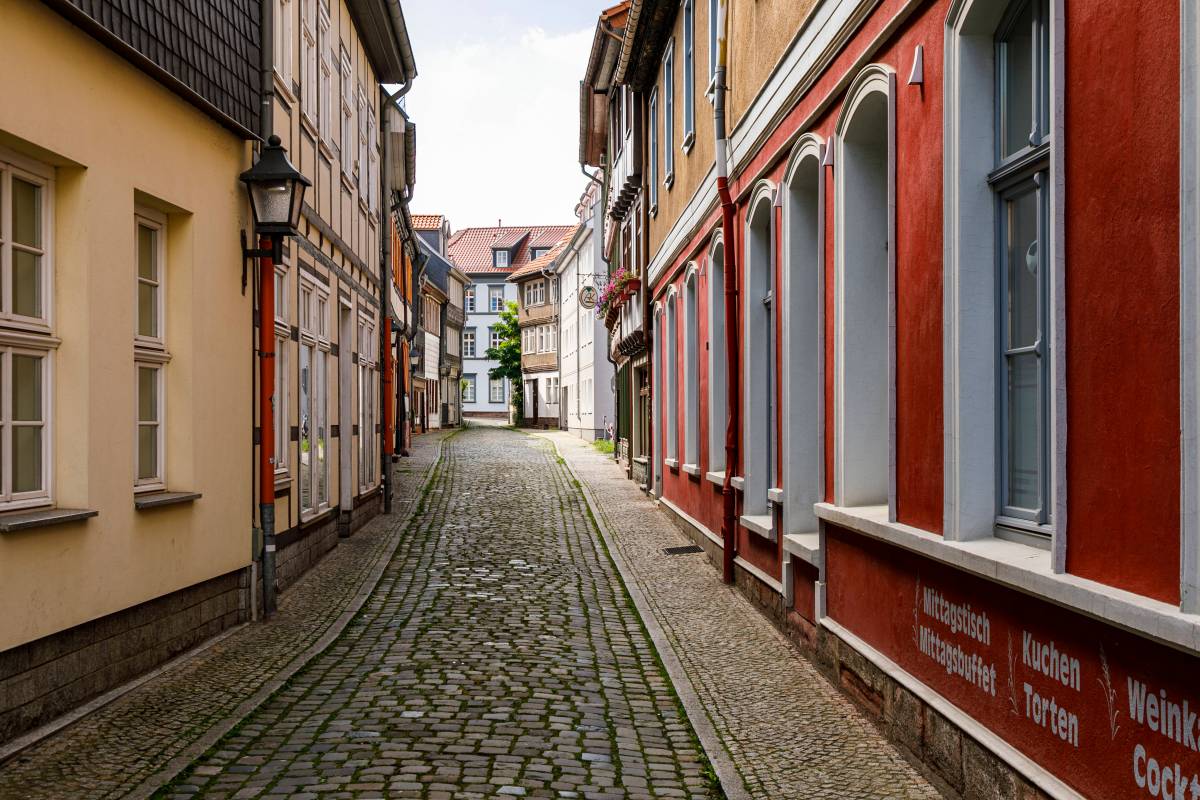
<point>729,510</point>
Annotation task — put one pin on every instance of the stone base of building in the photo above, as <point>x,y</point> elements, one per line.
<point>44,679</point>
<point>469,415</point>
<point>300,549</point>
<point>958,764</point>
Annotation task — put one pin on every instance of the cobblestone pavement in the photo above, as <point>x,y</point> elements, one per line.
<point>154,730</point>
<point>498,657</point>
<point>788,732</point>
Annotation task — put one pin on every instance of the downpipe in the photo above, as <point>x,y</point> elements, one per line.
<point>266,416</point>
<point>732,351</point>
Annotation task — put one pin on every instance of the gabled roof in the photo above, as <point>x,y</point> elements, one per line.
<point>427,222</point>
<point>545,261</point>
<point>509,239</point>
<point>471,248</point>
<point>437,269</point>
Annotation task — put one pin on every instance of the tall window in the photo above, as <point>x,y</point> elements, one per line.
<point>1021,184</point>
<point>283,41</point>
<point>535,293</point>
<point>308,58</point>
<point>496,390</point>
<point>361,165</point>
<point>149,351</point>
<point>671,368</point>
<point>713,32</point>
<point>325,89</point>
<point>654,151</point>
<point>493,337</point>
<point>528,344</point>
<point>691,372</point>
<point>717,397</point>
<point>689,75</point>
<point>368,392</point>
<point>468,392</point>
<point>469,299</point>
<point>495,298</point>
<point>500,258</point>
<point>282,340</point>
<point>468,342</point>
<point>314,399</point>
<point>347,142</point>
<point>373,188</point>
<point>668,90</point>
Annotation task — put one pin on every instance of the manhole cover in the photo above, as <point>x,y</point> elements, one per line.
<point>679,551</point>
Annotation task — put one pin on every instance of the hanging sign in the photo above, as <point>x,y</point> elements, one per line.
<point>587,297</point>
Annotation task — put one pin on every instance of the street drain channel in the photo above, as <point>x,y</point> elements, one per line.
<point>684,550</point>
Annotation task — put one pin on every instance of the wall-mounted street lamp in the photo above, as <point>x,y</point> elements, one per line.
<point>276,190</point>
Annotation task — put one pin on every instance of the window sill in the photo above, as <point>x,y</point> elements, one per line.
<point>775,496</point>
<point>738,482</point>
<point>688,142</point>
<point>716,477</point>
<point>307,123</point>
<point>804,546</point>
<point>160,499</point>
<point>692,469</point>
<point>671,463</point>
<point>654,209</point>
<point>763,525</point>
<point>669,181</point>
<point>283,86</point>
<point>325,150</point>
<point>1027,569</point>
<point>43,518</point>
<point>347,182</point>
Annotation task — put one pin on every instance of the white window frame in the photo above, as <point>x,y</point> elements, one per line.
<point>347,133</point>
<point>758,340</point>
<point>10,500</point>
<point>493,385</point>
<point>872,79</point>
<point>691,370</point>
<point>468,337</point>
<point>689,77</point>
<point>313,325</point>
<point>672,379</point>
<point>495,299</point>
<point>535,293</point>
<point>368,468</point>
<point>373,188</point>
<point>718,375</point>
<point>308,60</point>
<point>713,36</point>
<point>361,162</point>
<point>325,80</point>
<point>284,10</point>
<point>971,451</point>
<point>469,390</point>
<point>500,258</point>
<point>14,166</point>
<point>469,298</point>
<point>668,94</point>
<point>494,339</point>
<point>150,352</point>
<point>653,106</point>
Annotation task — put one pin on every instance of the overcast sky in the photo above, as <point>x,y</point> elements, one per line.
<point>496,107</point>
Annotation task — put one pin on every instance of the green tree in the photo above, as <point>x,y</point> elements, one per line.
<point>508,353</point>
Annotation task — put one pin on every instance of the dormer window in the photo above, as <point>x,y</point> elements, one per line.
<point>538,252</point>
<point>499,258</point>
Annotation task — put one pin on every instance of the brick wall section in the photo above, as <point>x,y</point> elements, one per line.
<point>46,678</point>
<point>300,551</point>
<point>962,766</point>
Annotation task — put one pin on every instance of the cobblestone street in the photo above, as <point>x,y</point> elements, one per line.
<point>498,655</point>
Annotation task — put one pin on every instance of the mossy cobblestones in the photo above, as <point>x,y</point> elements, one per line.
<point>498,657</point>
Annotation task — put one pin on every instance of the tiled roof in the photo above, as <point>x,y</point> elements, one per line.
<point>546,260</point>
<point>471,248</point>
<point>427,222</point>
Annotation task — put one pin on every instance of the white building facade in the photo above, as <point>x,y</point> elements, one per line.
<point>485,297</point>
<point>586,407</point>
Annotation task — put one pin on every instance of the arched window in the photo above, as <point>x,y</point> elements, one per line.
<point>758,366</point>
<point>671,367</point>
<point>1002,471</point>
<point>718,406</point>
<point>865,251</point>
<point>658,391</point>
<point>691,372</point>
<point>803,336</point>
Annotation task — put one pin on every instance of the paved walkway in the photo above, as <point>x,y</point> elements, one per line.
<point>788,732</point>
<point>133,745</point>
<point>498,657</point>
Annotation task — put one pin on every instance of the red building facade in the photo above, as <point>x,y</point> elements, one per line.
<point>966,312</point>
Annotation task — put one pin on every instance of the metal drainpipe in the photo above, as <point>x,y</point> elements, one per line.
<point>728,516</point>
<point>266,335</point>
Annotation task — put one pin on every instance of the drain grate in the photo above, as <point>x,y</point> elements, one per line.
<point>679,551</point>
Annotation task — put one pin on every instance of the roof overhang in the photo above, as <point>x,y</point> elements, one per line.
<point>384,35</point>
<point>646,34</point>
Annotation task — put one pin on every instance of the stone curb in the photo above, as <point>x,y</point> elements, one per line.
<point>727,773</point>
<point>214,734</point>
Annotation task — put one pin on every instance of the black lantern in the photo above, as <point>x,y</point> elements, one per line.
<point>276,190</point>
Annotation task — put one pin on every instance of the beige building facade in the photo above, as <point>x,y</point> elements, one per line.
<point>125,366</point>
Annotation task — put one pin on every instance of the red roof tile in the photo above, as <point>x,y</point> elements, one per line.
<point>427,222</point>
<point>546,259</point>
<point>471,248</point>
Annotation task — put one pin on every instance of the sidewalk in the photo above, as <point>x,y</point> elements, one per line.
<point>141,740</point>
<point>788,732</point>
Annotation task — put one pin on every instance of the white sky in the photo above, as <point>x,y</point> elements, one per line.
<point>496,107</point>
